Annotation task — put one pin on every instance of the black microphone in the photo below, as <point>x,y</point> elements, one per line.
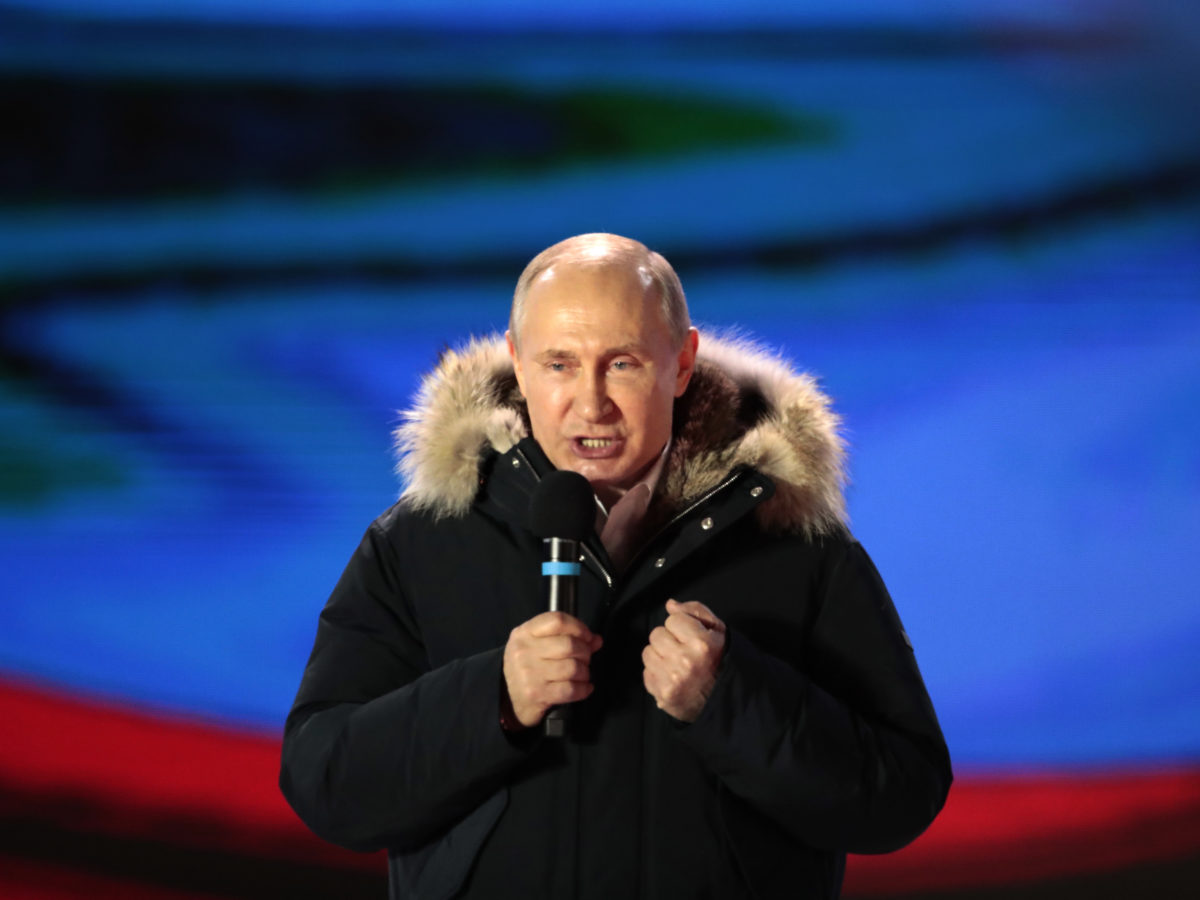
<point>562,512</point>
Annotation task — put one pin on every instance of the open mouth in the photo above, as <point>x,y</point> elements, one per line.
<point>597,447</point>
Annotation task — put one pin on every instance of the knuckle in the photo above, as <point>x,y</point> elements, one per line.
<point>564,692</point>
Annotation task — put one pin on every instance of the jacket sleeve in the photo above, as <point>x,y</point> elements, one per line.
<point>379,749</point>
<point>840,744</point>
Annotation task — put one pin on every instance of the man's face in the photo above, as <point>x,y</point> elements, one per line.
<point>599,371</point>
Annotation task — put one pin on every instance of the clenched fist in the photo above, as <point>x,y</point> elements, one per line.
<point>546,664</point>
<point>680,662</point>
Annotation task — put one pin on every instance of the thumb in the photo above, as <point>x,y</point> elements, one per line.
<point>697,611</point>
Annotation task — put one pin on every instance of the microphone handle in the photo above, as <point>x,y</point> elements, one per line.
<point>561,571</point>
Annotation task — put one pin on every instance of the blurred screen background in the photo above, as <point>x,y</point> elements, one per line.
<point>232,237</point>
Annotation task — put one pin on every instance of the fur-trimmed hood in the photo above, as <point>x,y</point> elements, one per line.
<point>743,407</point>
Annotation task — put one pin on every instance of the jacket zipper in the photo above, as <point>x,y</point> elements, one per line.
<point>599,565</point>
<point>699,501</point>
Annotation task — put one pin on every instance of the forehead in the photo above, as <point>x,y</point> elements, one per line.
<point>610,303</point>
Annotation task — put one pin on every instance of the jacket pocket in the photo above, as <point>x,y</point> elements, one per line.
<point>437,870</point>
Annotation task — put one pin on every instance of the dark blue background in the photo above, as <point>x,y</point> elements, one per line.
<point>978,226</point>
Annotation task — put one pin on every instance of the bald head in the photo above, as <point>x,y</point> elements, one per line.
<point>601,251</point>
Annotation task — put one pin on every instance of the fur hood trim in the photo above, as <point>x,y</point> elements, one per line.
<point>744,407</point>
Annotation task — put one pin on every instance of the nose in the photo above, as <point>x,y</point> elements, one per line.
<point>592,402</point>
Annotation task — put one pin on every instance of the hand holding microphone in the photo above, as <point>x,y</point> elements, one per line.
<point>546,660</point>
<point>546,664</point>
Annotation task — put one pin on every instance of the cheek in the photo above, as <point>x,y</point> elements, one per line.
<point>650,413</point>
<point>545,403</point>
<point>661,406</point>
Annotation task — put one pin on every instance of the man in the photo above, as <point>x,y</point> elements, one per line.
<point>745,705</point>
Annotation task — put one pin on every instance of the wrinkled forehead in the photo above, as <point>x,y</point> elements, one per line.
<point>593,302</point>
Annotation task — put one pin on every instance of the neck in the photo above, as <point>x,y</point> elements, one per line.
<point>609,494</point>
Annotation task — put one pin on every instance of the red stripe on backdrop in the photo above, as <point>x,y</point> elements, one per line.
<point>198,785</point>
<point>1007,829</point>
<point>142,775</point>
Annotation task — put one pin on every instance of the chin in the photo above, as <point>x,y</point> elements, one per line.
<point>619,480</point>
<point>597,475</point>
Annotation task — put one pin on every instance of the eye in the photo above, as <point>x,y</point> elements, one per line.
<point>623,365</point>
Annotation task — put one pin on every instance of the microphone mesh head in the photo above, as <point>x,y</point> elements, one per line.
<point>562,506</point>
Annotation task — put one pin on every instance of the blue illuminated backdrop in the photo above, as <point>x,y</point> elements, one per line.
<point>228,248</point>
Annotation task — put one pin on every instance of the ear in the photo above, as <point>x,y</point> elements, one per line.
<point>687,361</point>
<point>516,361</point>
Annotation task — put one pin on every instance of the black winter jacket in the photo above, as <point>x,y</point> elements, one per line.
<point>818,739</point>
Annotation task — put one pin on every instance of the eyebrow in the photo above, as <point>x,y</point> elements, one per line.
<point>623,350</point>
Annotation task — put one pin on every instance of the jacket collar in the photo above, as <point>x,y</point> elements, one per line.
<point>743,408</point>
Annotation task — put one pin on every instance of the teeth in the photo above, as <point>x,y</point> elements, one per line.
<point>595,442</point>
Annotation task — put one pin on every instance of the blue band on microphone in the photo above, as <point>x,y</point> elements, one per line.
<point>560,568</point>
